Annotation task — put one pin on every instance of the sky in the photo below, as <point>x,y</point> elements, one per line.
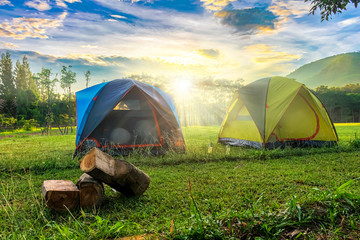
<point>176,39</point>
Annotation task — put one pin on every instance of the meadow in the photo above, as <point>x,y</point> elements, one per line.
<point>311,193</point>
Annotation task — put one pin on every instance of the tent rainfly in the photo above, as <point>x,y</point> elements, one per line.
<point>277,112</point>
<point>123,115</point>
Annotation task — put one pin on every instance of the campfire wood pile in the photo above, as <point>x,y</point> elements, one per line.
<point>99,168</point>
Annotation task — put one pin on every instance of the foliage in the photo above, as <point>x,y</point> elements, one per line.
<point>67,78</point>
<point>341,103</point>
<point>328,8</point>
<point>7,122</point>
<point>7,86</point>
<point>27,125</point>
<point>25,96</point>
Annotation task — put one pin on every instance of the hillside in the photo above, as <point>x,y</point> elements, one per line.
<point>337,70</point>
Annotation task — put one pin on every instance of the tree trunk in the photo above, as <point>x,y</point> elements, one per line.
<point>60,195</point>
<point>91,191</point>
<point>119,174</point>
<point>60,130</point>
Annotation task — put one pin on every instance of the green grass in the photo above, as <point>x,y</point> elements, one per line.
<point>244,194</point>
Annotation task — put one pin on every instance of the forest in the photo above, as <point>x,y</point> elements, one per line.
<point>29,100</point>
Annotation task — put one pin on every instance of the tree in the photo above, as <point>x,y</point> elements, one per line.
<point>7,86</point>
<point>26,104</point>
<point>330,7</point>
<point>26,90</point>
<point>48,89</point>
<point>20,78</point>
<point>66,80</point>
<point>87,78</point>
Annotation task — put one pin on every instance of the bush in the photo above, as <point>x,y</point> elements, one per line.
<point>30,124</point>
<point>7,122</point>
<point>27,125</point>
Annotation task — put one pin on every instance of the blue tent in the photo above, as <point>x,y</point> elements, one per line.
<point>125,114</point>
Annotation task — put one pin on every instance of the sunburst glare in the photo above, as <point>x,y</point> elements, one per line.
<point>182,86</point>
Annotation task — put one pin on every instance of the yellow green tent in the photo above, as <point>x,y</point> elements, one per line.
<point>277,111</point>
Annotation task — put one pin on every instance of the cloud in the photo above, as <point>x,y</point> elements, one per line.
<point>349,22</point>
<point>265,54</point>
<point>286,10</point>
<point>21,28</point>
<point>40,5</point>
<point>5,2</point>
<point>90,59</point>
<point>216,5</point>
<point>89,46</point>
<point>294,8</point>
<point>9,45</point>
<point>117,16</point>
<point>248,20</point>
<point>210,53</point>
<point>61,3</point>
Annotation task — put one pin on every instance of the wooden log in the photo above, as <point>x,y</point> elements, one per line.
<point>91,191</point>
<point>60,195</point>
<point>118,174</point>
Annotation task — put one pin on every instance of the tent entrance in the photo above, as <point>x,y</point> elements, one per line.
<point>131,123</point>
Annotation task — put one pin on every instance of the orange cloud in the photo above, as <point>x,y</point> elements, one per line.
<point>92,59</point>
<point>21,28</point>
<point>216,5</point>
<point>9,45</point>
<point>266,54</point>
<point>287,9</point>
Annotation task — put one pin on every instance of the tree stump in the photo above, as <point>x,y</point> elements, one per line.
<point>60,195</point>
<point>118,174</point>
<point>91,191</point>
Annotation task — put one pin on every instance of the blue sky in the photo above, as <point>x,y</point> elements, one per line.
<point>196,39</point>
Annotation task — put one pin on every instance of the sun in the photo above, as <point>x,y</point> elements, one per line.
<point>182,86</point>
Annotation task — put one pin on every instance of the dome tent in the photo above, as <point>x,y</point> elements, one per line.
<point>274,112</point>
<point>123,115</point>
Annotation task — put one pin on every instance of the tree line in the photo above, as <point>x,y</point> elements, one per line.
<point>29,99</point>
<point>342,103</point>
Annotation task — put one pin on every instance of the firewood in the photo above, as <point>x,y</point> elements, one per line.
<point>60,195</point>
<point>91,191</point>
<point>118,174</point>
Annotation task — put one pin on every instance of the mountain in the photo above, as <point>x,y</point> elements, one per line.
<point>337,70</point>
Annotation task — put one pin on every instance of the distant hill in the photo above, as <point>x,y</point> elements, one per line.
<point>337,70</point>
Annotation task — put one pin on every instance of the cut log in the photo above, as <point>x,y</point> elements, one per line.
<point>118,174</point>
<point>60,195</point>
<point>91,191</point>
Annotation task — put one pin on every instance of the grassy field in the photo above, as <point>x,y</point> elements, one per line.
<point>245,194</point>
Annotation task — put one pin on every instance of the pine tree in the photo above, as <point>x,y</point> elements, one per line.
<point>20,77</point>
<point>7,86</point>
<point>27,71</point>
<point>27,93</point>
